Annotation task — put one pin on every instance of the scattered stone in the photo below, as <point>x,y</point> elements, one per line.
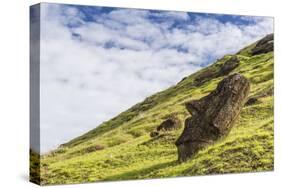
<point>264,45</point>
<point>229,65</point>
<point>154,134</point>
<point>205,76</point>
<point>94,148</point>
<point>213,115</point>
<point>224,69</point>
<point>251,101</point>
<point>170,124</point>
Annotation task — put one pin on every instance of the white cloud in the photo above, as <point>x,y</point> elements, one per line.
<point>119,59</point>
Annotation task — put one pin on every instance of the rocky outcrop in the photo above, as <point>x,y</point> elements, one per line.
<point>264,45</point>
<point>251,101</point>
<point>171,123</point>
<point>229,65</point>
<point>223,70</point>
<point>212,116</point>
<point>205,76</point>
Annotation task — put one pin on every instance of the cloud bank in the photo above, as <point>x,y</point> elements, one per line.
<point>97,62</point>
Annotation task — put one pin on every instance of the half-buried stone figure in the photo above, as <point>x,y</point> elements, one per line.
<point>212,116</point>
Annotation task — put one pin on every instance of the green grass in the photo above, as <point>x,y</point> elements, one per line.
<point>126,151</point>
<point>34,167</point>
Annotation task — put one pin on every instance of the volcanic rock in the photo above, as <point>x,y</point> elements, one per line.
<point>251,101</point>
<point>264,45</point>
<point>171,123</point>
<point>212,116</point>
<point>229,65</point>
<point>223,70</point>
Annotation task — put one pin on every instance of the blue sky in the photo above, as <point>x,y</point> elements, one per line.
<point>97,62</point>
<point>90,12</point>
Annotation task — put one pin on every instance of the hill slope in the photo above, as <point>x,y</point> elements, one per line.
<point>121,148</point>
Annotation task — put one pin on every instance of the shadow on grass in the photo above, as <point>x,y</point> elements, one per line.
<point>139,174</point>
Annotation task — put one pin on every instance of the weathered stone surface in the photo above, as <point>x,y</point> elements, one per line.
<point>223,70</point>
<point>213,115</point>
<point>94,148</point>
<point>264,45</point>
<point>171,123</point>
<point>229,65</point>
<point>205,76</point>
<point>251,101</point>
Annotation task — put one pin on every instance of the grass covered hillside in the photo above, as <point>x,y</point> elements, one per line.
<point>122,147</point>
